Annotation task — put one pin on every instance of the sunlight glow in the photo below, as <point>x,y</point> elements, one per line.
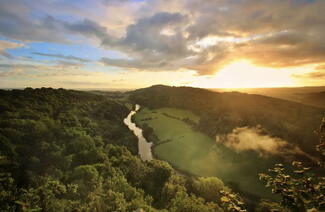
<point>243,74</point>
<point>213,40</point>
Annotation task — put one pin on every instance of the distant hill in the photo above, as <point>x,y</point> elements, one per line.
<point>221,113</point>
<point>316,99</point>
<point>314,96</point>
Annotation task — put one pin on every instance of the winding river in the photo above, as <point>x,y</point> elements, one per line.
<point>144,146</point>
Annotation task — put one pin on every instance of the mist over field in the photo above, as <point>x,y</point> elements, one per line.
<point>255,138</point>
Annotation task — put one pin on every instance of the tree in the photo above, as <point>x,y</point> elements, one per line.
<point>301,190</point>
<point>231,202</point>
<point>209,188</point>
<point>190,203</point>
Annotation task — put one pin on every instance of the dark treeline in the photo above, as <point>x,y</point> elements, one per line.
<point>220,113</point>
<point>63,150</point>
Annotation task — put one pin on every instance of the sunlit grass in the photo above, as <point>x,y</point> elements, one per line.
<point>195,153</point>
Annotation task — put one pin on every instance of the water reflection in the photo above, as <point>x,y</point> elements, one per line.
<point>143,146</point>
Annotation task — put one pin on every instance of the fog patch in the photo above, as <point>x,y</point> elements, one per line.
<point>255,139</point>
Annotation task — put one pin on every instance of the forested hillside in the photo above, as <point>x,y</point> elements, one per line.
<point>316,99</point>
<point>221,113</point>
<point>63,150</point>
<point>314,96</point>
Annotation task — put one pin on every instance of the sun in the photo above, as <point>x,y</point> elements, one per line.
<point>244,74</point>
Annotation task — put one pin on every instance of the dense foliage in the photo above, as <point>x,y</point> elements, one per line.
<point>301,190</point>
<point>63,150</point>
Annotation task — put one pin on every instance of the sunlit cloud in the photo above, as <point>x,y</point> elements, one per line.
<point>280,42</point>
<point>5,45</point>
<point>244,74</point>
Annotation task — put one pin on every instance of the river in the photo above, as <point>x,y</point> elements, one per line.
<point>144,146</point>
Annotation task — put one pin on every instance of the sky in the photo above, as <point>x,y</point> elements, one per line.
<point>127,44</point>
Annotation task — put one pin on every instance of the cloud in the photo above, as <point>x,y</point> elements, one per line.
<point>144,38</point>
<point>69,64</point>
<point>320,67</point>
<point>317,75</point>
<point>14,70</point>
<point>168,34</point>
<point>254,139</point>
<point>275,35</point>
<point>87,84</point>
<point>4,45</point>
<point>88,27</point>
<point>17,23</point>
<point>269,33</point>
<point>115,1</point>
<point>284,50</point>
<point>149,47</point>
<point>62,68</point>
<point>10,66</point>
<point>132,64</point>
<point>61,56</point>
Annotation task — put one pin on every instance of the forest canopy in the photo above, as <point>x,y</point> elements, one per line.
<point>64,150</point>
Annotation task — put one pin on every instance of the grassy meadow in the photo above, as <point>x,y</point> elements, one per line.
<point>195,153</point>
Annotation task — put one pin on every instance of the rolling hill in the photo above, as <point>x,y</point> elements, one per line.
<point>221,113</point>
<point>233,136</point>
<point>314,96</point>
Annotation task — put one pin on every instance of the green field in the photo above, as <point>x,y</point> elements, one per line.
<point>195,153</point>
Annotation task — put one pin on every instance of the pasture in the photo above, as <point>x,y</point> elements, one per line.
<point>195,153</point>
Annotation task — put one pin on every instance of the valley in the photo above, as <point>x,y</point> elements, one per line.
<point>159,148</point>
<point>162,106</point>
<point>195,153</point>
<point>185,136</point>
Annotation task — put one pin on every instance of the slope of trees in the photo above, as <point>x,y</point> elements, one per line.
<point>63,150</point>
